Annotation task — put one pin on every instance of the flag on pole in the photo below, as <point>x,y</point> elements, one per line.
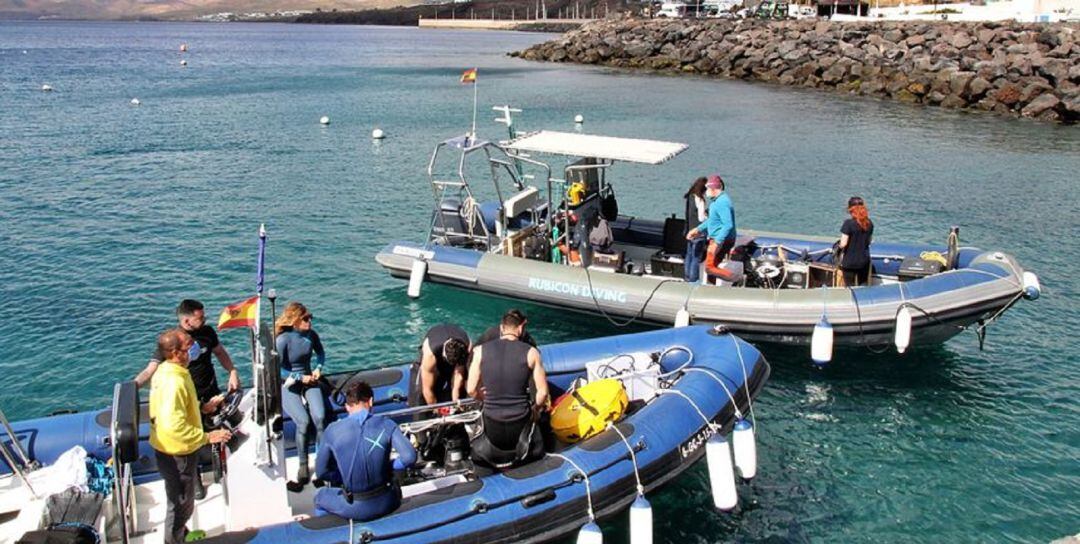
<point>469,76</point>
<point>242,314</point>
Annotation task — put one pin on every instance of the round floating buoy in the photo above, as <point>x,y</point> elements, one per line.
<point>1032,288</point>
<point>183,62</point>
<point>135,102</point>
<point>324,120</point>
<point>416,277</point>
<point>183,48</point>
<point>745,448</point>
<point>641,522</point>
<point>378,134</point>
<point>579,118</point>
<point>46,88</point>
<point>821,343</point>
<point>590,534</point>
<point>902,338</point>
<point>682,317</point>
<point>721,473</point>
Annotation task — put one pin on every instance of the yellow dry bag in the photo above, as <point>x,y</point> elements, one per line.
<point>587,410</point>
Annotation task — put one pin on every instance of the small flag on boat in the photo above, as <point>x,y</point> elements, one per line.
<point>469,76</point>
<point>241,314</point>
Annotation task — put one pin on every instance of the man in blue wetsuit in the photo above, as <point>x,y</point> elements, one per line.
<point>355,454</point>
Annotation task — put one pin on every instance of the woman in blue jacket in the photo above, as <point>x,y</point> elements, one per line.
<point>296,342</point>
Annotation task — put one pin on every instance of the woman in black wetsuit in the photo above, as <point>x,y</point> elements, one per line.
<point>855,236</point>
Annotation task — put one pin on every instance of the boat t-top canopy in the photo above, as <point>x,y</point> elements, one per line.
<point>599,147</point>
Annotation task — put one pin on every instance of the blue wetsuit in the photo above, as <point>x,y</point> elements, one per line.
<point>355,454</point>
<point>295,349</point>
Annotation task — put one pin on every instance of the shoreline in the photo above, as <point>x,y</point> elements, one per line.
<point>1011,69</point>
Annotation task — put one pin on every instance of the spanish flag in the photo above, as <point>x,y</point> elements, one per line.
<point>469,76</point>
<point>241,314</point>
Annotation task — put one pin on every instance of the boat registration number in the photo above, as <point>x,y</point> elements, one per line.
<point>696,442</point>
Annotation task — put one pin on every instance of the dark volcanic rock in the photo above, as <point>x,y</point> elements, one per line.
<point>1002,67</point>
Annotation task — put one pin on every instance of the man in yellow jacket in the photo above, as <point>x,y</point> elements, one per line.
<point>176,431</point>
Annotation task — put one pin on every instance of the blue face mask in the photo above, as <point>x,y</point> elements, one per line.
<point>194,351</point>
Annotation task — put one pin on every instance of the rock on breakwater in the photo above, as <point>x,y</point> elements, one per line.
<point>1008,68</point>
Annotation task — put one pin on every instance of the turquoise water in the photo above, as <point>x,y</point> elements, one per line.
<point>109,214</point>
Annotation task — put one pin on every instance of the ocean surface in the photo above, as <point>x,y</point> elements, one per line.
<point>111,213</point>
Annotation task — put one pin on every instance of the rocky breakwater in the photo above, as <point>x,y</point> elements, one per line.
<point>1032,70</point>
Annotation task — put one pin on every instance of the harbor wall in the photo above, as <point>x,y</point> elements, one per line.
<point>539,25</point>
<point>1018,69</point>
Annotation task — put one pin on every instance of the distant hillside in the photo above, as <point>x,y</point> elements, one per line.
<point>170,9</point>
<point>481,9</point>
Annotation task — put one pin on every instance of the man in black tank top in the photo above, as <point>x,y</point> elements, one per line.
<point>499,375</point>
<point>440,375</point>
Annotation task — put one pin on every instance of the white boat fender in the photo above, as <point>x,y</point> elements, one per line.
<point>378,134</point>
<point>324,120</point>
<point>721,473</point>
<point>903,329</point>
<point>590,534</point>
<point>744,445</point>
<point>821,343</point>
<point>416,277</point>
<point>641,521</point>
<point>1032,288</point>
<point>682,317</point>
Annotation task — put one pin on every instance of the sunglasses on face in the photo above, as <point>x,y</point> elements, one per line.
<point>307,318</point>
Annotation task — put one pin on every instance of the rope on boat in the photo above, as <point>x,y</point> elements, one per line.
<point>709,373</point>
<point>633,458</point>
<point>640,313</point>
<point>708,422</point>
<point>585,475</point>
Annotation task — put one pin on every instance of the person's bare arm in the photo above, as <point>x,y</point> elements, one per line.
<point>226,363</point>
<point>457,383</point>
<point>539,378</point>
<point>473,386</point>
<point>427,374</point>
<point>843,241</point>
<point>144,377</point>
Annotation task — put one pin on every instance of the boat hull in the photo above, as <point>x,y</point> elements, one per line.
<point>943,305</point>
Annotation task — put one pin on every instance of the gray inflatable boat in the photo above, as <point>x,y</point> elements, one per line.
<point>532,245</point>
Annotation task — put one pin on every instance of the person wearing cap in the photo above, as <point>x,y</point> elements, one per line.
<point>719,226</point>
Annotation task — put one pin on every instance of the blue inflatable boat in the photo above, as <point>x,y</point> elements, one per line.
<point>688,388</point>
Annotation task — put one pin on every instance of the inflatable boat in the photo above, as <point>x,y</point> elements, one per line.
<point>533,244</point>
<point>689,390</point>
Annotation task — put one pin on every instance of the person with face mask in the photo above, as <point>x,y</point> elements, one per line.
<point>191,318</point>
<point>176,431</point>
<point>719,226</point>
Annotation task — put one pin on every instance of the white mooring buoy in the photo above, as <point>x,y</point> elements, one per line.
<point>324,120</point>
<point>721,473</point>
<point>1032,288</point>
<point>378,134</point>
<point>590,534</point>
<point>183,48</point>
<point>902,338</point>
<point>641,521</point>
<point>745,447</point>
<point>46,88</point>
<point>183,62</point>
<point>821,343</point>
<point>579,118</point>
<point>416,277</point>
<point>682,317</point>
<point>135,102</point>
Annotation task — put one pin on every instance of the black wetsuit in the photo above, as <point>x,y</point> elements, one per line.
<point>505,372</point>
<point>202,368</point>
<point>444,371</point>
<point>493,332</point>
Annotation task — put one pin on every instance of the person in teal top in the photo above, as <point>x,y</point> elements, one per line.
<point>719,226</point>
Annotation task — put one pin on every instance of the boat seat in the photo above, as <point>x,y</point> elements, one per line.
<point>489,211</point>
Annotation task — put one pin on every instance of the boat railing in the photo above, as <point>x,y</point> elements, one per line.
<point>14,445</point>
